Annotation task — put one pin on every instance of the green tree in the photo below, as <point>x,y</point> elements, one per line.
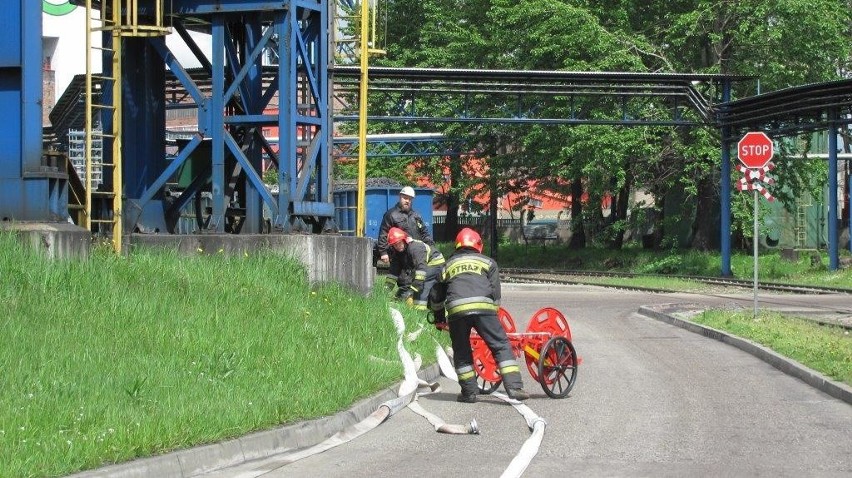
<point>783,42</point>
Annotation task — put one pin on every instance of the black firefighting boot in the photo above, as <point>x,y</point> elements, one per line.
<point>469,390</point>
<point>515,386</point>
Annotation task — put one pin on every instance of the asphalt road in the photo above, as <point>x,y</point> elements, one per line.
<point>651,399</point>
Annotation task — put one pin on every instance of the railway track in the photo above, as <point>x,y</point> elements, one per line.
<point>826,311</point>
<point>552,276</point>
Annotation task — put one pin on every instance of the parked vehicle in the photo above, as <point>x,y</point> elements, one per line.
<point>541,230</point>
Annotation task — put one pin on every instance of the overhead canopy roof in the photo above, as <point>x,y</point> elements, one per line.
<point>784,112</point>
<point>789,111</point>
<point>536,96</point>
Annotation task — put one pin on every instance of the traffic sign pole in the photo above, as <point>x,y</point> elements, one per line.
<point>755,241</point>
<point>754,151</point>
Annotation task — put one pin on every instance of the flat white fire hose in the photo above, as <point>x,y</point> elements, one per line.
<point>535,423</point>
<point>530,447</point>
<point>412,387</point>
<point>411,382</point>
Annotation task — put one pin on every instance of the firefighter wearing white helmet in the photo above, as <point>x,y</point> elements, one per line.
<point>406,218</point>
<point>467,295</point>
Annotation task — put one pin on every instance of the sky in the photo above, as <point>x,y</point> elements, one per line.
<point>69,58</point>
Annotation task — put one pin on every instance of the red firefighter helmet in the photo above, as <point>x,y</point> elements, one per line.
<point>467,237</point>
<point>396,235</point>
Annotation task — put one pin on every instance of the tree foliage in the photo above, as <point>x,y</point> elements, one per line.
<point>780,43</point>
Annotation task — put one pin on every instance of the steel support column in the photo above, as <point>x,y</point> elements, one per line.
<point>833,236</point>
<point>216,121</point>
<point>725,189</point>
<point>253,95</point>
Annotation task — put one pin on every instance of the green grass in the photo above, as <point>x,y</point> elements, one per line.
<point>827,349</point>
<point>113,358</point>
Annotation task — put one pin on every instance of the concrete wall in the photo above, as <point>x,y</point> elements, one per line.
<point>342,259</point>
<point>58,240</point>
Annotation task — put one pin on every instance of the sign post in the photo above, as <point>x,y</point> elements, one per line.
<point>755,150</point>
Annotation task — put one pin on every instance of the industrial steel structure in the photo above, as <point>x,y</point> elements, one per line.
<point>232,100</point>
<point>33,185</point>
<point>264,50</point>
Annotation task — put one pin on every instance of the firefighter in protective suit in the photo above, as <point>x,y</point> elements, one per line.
<point>414,267</point>
<point>467,295</point>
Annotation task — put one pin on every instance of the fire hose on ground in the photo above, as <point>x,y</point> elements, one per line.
<point>411,388</point>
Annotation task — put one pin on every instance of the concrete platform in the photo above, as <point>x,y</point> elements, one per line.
<point>57,240</point>
<point>328,258</point>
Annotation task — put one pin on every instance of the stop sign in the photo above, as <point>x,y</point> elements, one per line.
<point>755,149</point>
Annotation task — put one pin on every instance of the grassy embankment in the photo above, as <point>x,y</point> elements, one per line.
<point>113,358</point>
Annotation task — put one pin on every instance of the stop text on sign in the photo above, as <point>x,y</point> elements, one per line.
<point>755,150</point>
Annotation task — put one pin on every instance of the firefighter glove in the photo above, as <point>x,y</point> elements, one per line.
<point>439,319</point>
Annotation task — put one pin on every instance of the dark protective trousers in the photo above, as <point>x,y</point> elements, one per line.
<point>489,328</point>
<point>421,297</point>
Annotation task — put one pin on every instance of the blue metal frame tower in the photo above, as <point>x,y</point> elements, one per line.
<point>231,97</point>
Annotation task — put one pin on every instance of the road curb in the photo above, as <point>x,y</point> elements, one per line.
<point>665,313</point>
<point>258,445</point>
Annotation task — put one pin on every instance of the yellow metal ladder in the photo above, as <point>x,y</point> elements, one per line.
<point>119,18</point>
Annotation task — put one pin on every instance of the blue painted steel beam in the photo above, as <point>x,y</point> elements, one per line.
<point>170,171</point>
<point>833,237</point>
<point>217,125</point>
<point>725,190</point>
<point>285,22</point>
<point>256,193</point>
<point>214,7</point>
<point>253,177</point>
<point>518,120</point>
<point>251,119</point>
<point>193,47</point>
<point>414,145</point>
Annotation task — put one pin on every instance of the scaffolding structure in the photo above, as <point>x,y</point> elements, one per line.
<point>77,155</point>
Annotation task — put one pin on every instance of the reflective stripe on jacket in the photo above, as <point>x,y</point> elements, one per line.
<point>418,257</point>
<point>469,283</point>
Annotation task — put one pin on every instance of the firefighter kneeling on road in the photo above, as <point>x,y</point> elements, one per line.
<point>467,295</point>
<point>414,267</point>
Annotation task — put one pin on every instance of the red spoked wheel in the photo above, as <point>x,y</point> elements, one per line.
<point>557,367</point>
<point>487,375</point>
<point>550,320</point>
<point>547,322</point>
<point>506,320</point>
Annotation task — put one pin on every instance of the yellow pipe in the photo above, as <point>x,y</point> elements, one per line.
<point>117,100</point>
<point>87,151</point>
<point>360,222</point>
